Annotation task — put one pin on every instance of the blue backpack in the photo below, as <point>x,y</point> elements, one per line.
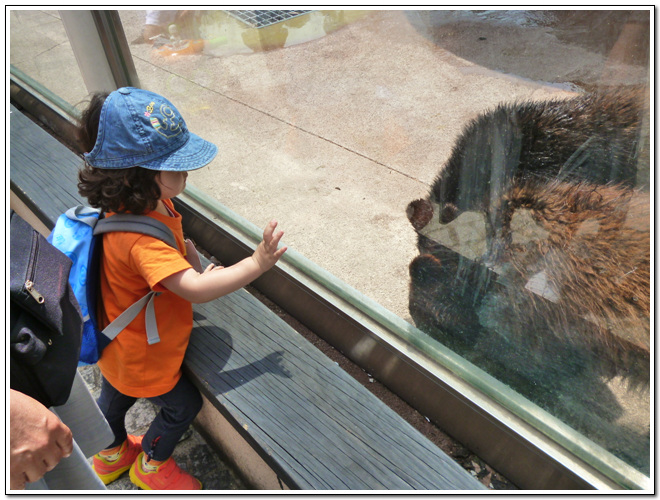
<point>77,234</point>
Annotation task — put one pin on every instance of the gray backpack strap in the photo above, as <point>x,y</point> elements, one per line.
<point>142,224</point>
<point>125,318</point>
<point>88,215</point>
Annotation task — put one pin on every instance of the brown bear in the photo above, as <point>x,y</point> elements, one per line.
<point>562,271</point>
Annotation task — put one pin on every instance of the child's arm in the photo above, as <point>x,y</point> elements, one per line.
<point>216,282</point>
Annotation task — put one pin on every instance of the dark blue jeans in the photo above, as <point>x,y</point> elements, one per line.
<point>178,409</point>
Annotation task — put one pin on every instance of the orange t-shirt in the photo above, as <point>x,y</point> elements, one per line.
<point>131,265</point>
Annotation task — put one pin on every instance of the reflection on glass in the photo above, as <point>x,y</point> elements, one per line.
<point>523,138</point>
<point>39,47</point>
<point>534,239</point>
<point>548,286</point>
<point>218,33</point>
<point>482,174</point>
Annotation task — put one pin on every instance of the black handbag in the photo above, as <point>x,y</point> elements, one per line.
<point>45,319</point>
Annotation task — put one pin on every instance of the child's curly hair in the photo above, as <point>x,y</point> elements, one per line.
<point>118,190</point>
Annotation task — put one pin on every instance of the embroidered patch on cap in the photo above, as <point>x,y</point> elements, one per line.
<point>150,109</point>
<point>164,120</point>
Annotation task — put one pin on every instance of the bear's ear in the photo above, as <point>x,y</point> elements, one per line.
<point>420,213</point>
<point>448,213</point>
<point>426,270</point>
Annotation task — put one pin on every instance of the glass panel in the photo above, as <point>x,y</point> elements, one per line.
<point>534,238</point>
<point>482,175</point>
<point>454,167</point>
<point>39,48</point>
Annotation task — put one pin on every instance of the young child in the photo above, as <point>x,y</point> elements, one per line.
<point>139,153</point>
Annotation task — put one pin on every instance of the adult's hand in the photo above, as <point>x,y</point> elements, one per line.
<point>38,440</point>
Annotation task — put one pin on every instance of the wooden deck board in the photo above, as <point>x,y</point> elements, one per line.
<point>315,425</point>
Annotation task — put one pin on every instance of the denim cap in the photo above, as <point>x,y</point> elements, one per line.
<point>138,128</point>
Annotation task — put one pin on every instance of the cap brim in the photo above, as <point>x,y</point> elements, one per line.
<point>194,154</point>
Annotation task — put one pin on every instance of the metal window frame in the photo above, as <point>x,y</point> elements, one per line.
<point>101,49</point>
<point>502,438</point>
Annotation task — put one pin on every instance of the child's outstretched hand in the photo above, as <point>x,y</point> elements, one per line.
<point>214,282</point>
<point>267,254</point>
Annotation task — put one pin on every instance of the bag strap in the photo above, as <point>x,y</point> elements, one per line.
<point>136,224</point>
<point>144,225</point>
<point>88,215</point>
<point>125,318</point>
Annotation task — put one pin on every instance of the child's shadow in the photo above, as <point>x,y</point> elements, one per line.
<point>208,354</point>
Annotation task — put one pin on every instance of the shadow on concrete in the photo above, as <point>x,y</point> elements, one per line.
<point>537,44</point>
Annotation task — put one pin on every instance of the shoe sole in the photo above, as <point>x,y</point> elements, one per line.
<point>135,479</point>
<point>112,476</point>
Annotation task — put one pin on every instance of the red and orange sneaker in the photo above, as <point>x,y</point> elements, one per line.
<point>168,476</point>
<point>108,470</point>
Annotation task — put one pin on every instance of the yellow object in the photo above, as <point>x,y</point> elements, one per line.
<point>184,47</point>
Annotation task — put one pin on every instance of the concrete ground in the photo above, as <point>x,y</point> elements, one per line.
<point>335,136</point>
